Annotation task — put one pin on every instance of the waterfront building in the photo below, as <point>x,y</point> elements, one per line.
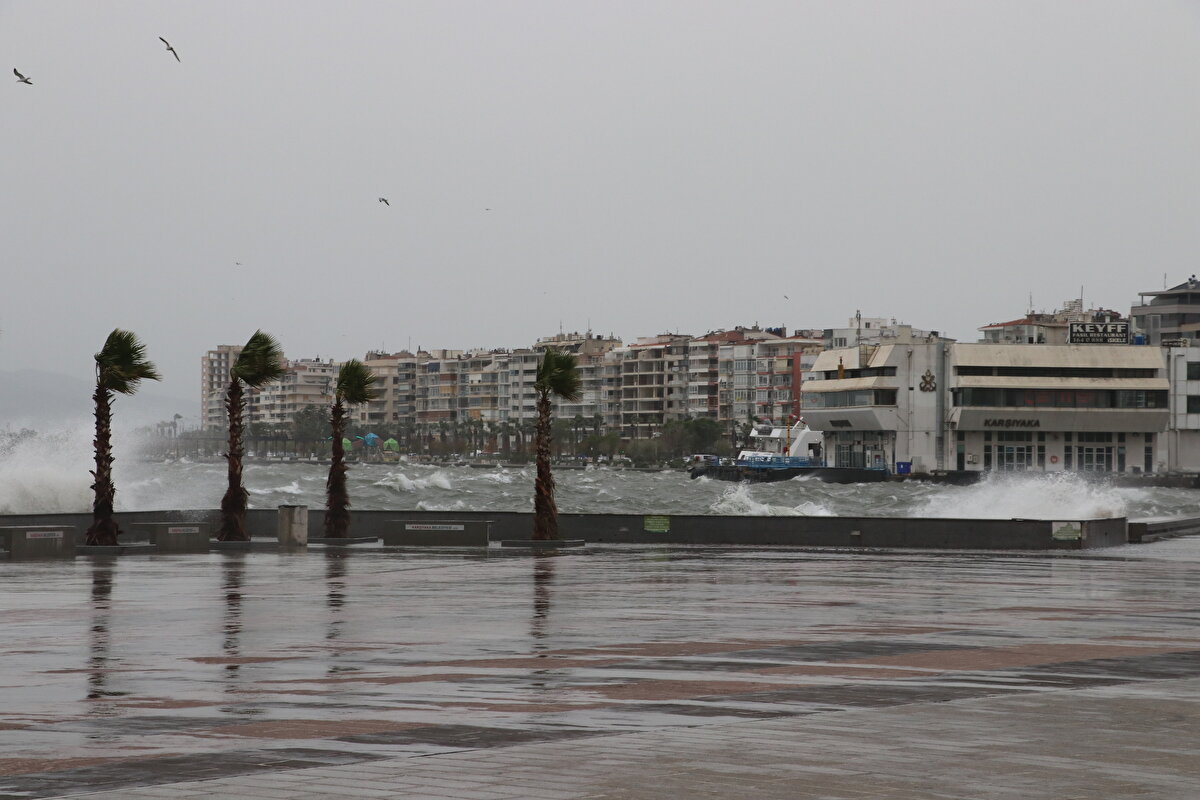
<point>1183,431</point>
<point>214,380</point>
<point>437,392</point>
<point>305,382</point>
<point>395,404</point>
<point>590,351</point>
<point>882,403</point>
<point>653,384</point>
<point>781,366</point>
<point>517,398</point>
<point>941,405</point>
<point>1083,408</point>
<point>1170,316</point>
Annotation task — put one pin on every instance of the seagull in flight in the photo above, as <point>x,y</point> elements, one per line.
<point>170,49</point>
<point>21,78</point>
<point>384,200</point>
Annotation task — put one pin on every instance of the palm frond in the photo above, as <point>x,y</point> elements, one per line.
<point>121,365</point>
<point>355,382</point>
<point>557,375</point>
<point>260,362</point>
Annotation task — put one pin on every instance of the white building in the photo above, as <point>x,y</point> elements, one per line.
<point>941,405</point>
<point>1083,408</point>
<point>884,403</point>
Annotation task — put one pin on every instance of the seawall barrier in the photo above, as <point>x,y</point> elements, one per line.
<point>839,532</point>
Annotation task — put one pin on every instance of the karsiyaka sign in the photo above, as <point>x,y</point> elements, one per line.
<point>1098,333</point>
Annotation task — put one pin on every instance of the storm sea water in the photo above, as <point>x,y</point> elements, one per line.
<point>49,474</point>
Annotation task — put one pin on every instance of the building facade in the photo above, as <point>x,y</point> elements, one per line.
<point>942,405</point>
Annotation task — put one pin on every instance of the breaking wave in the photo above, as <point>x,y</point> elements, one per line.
<point>737,501</point>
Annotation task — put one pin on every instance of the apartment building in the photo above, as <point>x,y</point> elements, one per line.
<point>866,330</point>
<point>395,386</point>
<point>780,368</point>
<point>1046,328</point>
<point>591,353</point>
<point>1170,316</point>
<point>653,384</point>
<point>305,382</point>
<point>517,374</point>
<point>214,380</point>
<point>437,388</point>
<point>479,386</point>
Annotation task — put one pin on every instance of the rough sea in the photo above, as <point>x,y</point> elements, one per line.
<point>50,474</point>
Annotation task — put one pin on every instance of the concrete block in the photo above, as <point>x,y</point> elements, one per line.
<point>39,541</point>
<point>292,527</point>
<point>174,537</point>
<point>443,533</point>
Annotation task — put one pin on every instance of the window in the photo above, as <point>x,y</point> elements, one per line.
<point>1193,371</point>
<point>865,397</point>
<point>1193,404</point>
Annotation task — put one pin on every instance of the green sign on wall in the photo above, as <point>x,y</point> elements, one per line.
<point>656,524</point>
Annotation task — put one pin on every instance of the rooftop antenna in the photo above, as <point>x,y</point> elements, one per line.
<point>858,326</point>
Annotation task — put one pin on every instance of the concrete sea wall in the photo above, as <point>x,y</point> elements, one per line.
<point>872,532</point>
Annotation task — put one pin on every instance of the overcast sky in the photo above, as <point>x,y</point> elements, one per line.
<point>648,166</point>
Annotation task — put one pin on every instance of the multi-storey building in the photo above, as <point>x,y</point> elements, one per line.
<point>1045,328</point>
<point>1171,315</point>
<point>653,384</point>
<point>214,380</point>
<point>590,353</point>
<point>395,403</point>
<point>305,382</point>
<point>781,366</point>
<point>479,387</point>
<point>879,404</point>
<point>867,330</point>
<point>437,389</point>
<point>517,373</point>
<point>941,405</point>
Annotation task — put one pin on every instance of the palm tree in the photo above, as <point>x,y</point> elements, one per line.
<point>120,366</point>
<point>557,377</point>
<point>354,386</point>
<point>260,362</point>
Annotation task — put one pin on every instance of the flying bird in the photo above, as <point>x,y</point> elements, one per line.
<point>785,297</point>
<point>384,200</point>
<point>21,78</point>
<point>170,49</point>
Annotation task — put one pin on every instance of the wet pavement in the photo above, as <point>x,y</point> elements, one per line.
<point>613,672</point>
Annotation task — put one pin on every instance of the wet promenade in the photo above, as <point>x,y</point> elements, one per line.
<point>620,672</point>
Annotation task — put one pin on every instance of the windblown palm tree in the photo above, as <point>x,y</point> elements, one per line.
<point>556,377</point>
<point>354,386</point>
<point>120,366</point>
<point>260,362</point>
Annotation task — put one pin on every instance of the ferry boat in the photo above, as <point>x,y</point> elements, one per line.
<point>787,453</point>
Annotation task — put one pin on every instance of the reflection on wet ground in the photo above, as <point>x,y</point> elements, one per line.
<point>145,670</point>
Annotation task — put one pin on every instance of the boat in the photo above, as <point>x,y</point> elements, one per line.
<point>787,453</point>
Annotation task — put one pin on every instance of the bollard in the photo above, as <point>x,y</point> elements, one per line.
<point>293,526</point>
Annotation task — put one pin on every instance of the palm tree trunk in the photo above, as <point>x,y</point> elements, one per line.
<point>545,512</point>
<point>233,504</point>
<point>104,529</point>
<point>337,499</point>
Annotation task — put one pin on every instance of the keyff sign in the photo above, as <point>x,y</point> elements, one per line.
<point>1098,333</point>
